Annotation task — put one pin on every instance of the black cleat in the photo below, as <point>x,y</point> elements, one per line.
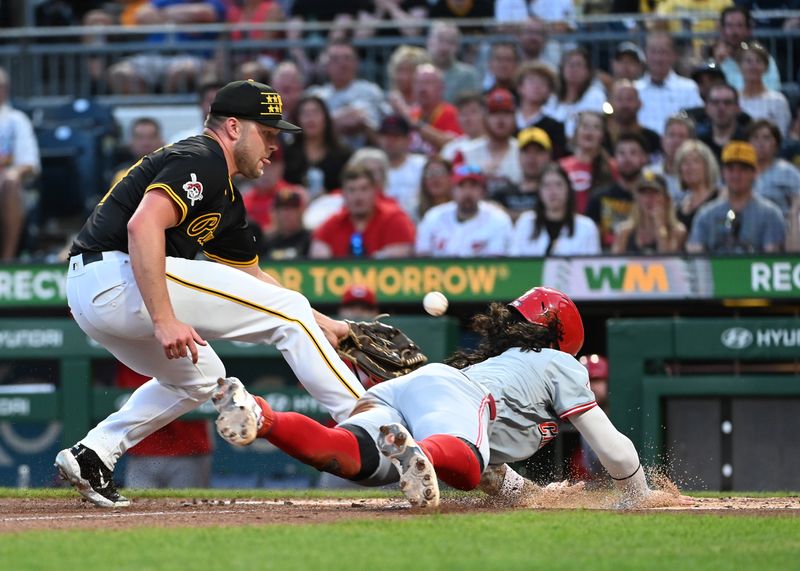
<point>82,468</point>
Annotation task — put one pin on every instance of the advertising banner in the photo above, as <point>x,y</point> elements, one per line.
<point>480,280</point>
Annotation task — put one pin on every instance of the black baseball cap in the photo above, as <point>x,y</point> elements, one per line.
<point>394,125</point>
<point>253,101</point>
<point>707,68</point>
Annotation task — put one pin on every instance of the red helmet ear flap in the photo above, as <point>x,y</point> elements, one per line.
<point>541,305</point>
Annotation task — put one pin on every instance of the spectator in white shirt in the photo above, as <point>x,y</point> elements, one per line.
<point>559,14</point>
<point>405,169</point>
<point>355,104</point>
<point>553,228</point>
<point>497,153</point>
<point>736,27</point>
<point>468,226</point>
<point>662,91</point>
<point>579,90</point>
<point>19,160</point>
<point>470,116</point>
<point>756,99</point>
<point>628,62</point>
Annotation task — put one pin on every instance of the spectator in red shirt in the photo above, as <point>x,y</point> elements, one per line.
<point>366,226</point>
<point>176,456</point>
<point>590,167</point>
<point>435,121</point>
<point>258,198</point>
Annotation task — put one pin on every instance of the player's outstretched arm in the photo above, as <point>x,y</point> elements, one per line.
<point>619,457</point>
<point>615,451</point>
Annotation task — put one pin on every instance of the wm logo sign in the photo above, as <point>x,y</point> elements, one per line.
<point>645,278</point>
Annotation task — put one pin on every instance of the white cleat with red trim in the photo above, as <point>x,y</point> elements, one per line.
<point>240,416</point>
<point>417,477</point>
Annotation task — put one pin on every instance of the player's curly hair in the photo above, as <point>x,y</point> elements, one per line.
<point>502,327</point>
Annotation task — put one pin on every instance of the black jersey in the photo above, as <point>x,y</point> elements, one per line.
<point>194,174</point>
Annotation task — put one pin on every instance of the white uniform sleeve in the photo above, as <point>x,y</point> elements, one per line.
<point>570,382</point>
<point>615,452</point>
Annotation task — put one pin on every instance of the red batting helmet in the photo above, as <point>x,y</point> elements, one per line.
<point>541,305</point>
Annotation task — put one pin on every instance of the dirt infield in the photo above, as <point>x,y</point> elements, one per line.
<point>38,514</point>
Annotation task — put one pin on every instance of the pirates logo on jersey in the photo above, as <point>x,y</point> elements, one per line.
<point>193,189</point>
<point>203,227</point>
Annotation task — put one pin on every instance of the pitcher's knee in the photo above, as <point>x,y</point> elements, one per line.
<point>301,307</point>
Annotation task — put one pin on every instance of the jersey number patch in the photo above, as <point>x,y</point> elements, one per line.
<point>548,430</point>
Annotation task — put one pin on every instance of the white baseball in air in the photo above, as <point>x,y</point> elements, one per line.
<point>435,303</point>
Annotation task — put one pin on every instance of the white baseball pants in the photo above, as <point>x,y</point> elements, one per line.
<point>434,399</point>
<point>220,302</point>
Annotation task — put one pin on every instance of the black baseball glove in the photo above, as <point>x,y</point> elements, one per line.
<point>378,352</point>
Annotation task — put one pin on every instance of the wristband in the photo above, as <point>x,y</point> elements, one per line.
<point>627,477</point>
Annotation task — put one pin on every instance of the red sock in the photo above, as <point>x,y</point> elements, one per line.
<point>332,450</point>
<point>455,462</point>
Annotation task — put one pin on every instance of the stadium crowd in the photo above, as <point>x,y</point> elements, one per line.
<point>522,147</point>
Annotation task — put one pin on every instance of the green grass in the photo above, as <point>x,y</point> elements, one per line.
<point>516,540</point>
<point>576,539</point>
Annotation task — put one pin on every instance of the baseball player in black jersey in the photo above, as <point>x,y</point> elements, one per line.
<point>134,285</point>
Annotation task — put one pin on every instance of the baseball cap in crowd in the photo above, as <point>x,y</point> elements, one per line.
<point>253,101</point>
<point>468,172</point>
<point>629,48</point>
<point>740,152</point>
<point>358,294</point>
<point>650,179</point>
<point>500,100</point>
<point>596,366</point>
<point>534,135</point>
<point>288,197</point>
<point>707,68</point>
<point>394,125</point>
